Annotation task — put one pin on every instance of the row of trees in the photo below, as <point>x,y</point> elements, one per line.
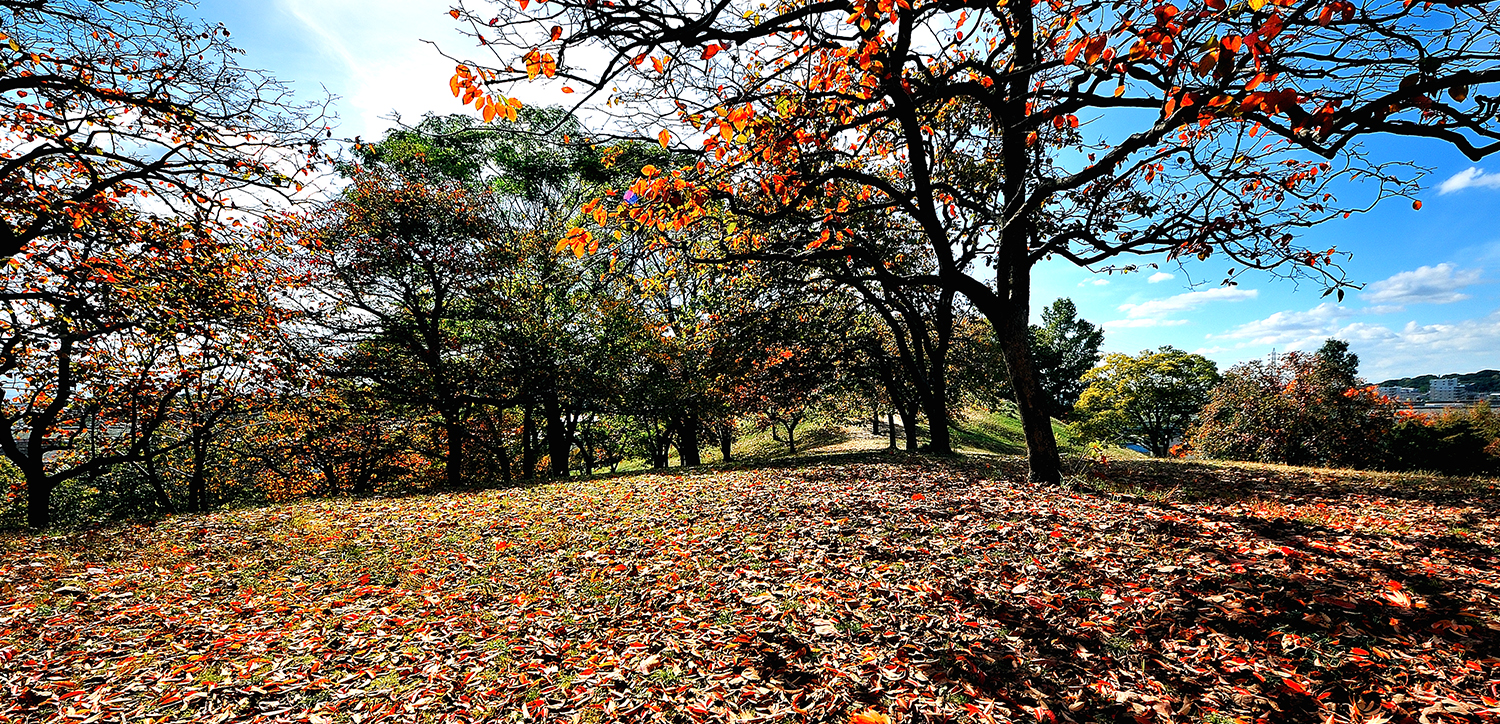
<point>429,325</point>
<point>1295,409</point>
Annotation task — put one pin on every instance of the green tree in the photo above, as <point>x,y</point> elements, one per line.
<point>1150,399</point>
<point>1065,349</point>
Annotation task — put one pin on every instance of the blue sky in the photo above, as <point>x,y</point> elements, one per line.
<point>1431,302</point>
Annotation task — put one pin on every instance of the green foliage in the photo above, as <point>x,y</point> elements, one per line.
<point>1065,348</point>
<point>1150,399</point>
<point>1458,442</point>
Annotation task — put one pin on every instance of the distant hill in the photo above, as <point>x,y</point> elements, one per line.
<point>1481,381</point>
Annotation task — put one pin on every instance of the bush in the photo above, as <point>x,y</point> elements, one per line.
<point>1458,442</point>
<point>1298,410</point>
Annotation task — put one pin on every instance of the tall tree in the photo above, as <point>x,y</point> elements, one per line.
<point>396,268</point>
<point>1066,348</point>
<point>1298,409</point>
<point>1226,127</point>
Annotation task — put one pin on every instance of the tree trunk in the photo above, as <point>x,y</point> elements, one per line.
<point>909,424</point>
<point>153,478</point>
<point>505,474</point>
<point>726,442</point>
<point>198,481</point>
<point>38,502</point>
<point>1041,445</point>
<point>453,463</point>
<point>687,442</point>
<point>528,443</point>
<point>935,406</point>
<point>558,443</point>
<point>874,419</point>
<point>890,426</point>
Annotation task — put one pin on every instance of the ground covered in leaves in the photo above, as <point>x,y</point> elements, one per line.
<point>862,589</point>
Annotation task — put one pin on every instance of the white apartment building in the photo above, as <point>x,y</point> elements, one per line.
<point>1443,390</point>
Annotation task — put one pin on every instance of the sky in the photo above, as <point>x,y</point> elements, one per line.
<point>1430,302</point>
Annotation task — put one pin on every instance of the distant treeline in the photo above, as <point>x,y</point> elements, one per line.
<point>1481,381</point>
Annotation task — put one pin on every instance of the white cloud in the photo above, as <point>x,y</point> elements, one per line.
<point>1293,330</point>
<point>1094,283</point>
<point>1186,302</point>
<point>1138,323</point>
<point>1462,346</point>
<point>1472,177</point>
<point>377,58</point>
<point>1425,285</point>
<point>1160,277</point>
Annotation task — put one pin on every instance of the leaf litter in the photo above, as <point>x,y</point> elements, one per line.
<point>861,589</point>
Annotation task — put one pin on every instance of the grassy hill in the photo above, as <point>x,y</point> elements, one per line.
<point>1481,381</point>
<point>802,590</point>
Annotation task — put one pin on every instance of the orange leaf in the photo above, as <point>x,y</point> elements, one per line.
<point>453,84</point>
<point>454,13</point>
<point>665,137</point>
<point>549,65</point>
<point>648,171</point>
<point>524,3</point>
<point>869,716</point>
<point>489,112</point>
<point>556,32</point>
<point>711,51</point>
<point>567,89</point>
<point>1416,205</point>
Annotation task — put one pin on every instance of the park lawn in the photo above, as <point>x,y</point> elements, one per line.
<point>894,586</point>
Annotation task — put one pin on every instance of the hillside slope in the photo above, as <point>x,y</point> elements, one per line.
<point>806,592</point>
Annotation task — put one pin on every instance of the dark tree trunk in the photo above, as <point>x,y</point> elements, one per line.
<point>198,481</point>
<point>909,424</point>
<point>687,442</point>
<point>1014,335</point>
<point>874,419</point>
<point>505,474</point>
<point>454,462</point>
<point>153,478</point>
<point>661,449</point>
<point>528,444</point>
<point>38,502</point>
<point>558,443</point>
<point>726,442</point>
<point>935,407</point>
<point>890,426</point>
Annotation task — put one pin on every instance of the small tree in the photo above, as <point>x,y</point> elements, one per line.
<point>1150,399</point>
<point>1300,409</point>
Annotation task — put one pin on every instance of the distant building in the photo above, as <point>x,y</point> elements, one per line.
<point>1401,394</point>
<point>1443,390</point>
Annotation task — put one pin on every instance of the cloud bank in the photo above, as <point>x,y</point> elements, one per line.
<point>1424,285</point>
